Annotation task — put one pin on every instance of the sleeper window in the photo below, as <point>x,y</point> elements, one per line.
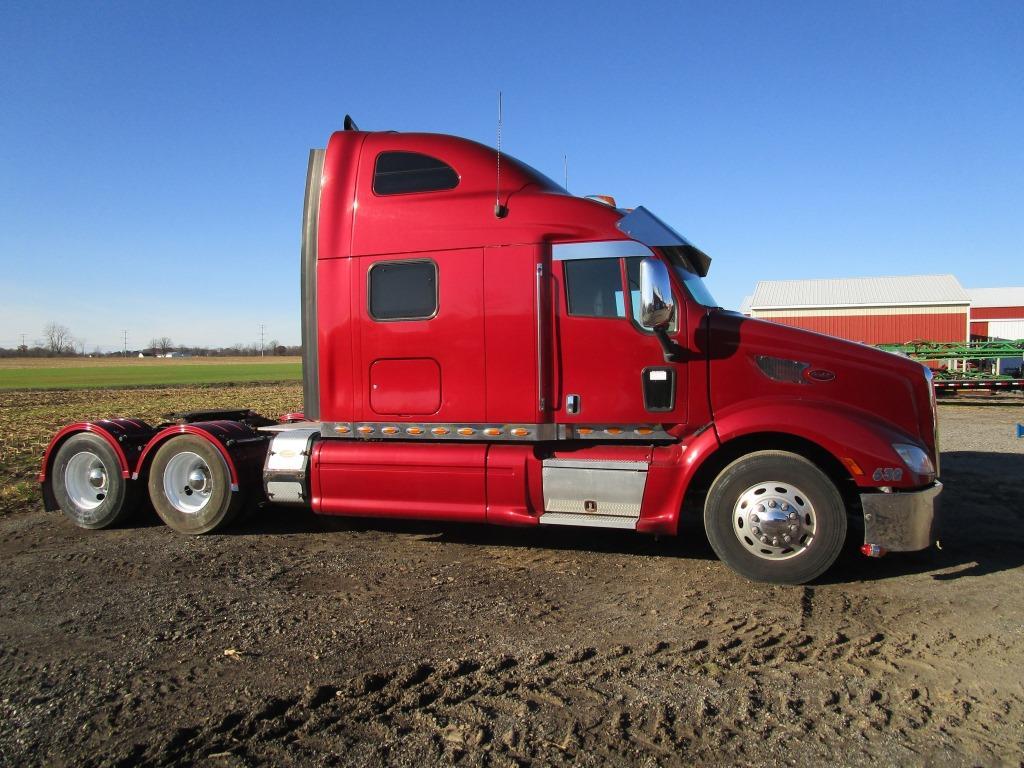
<point>397,173</point>
<point>403,290</point>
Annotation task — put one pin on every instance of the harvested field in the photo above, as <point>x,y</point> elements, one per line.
<point>28,419</point>
<point>298,640</point>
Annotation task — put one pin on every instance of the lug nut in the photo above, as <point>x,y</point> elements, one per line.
<point>756,531</point>
<point>764,539</point>
<point>785,506</point>
<point>775,541</point>
<point>755,519</point>
<point>792,528</point>
<point>772,503</point>
<point>760,507</point>
<point>787,538</point>
<point>793,516</point>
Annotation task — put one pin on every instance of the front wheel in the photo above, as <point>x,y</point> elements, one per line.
<point>773,516</point>
<point>190,486</point>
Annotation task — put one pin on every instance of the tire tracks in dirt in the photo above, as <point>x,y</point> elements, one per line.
<point>764,695</point>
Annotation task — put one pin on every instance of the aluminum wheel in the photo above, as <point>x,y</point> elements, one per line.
<point>86,481</point>
<point>188,482</point>
<point>774,520</point>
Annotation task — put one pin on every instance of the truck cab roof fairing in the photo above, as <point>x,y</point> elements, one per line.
<point>644,227</point>
<point>461,217</point>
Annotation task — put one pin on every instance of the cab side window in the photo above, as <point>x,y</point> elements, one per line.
<point>399,173</point>
<point>595,288</point>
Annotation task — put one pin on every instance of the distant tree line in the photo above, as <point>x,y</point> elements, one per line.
<point>58,341</point>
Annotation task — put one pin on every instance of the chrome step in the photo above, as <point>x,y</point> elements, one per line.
<point>588,519</point>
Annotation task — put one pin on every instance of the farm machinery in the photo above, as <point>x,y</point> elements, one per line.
<point>975,365</point>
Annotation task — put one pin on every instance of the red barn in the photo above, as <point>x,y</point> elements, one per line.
<point>997,313</point>
<point>873,310</point>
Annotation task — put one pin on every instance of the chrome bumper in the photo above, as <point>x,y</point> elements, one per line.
<point>901,522</point>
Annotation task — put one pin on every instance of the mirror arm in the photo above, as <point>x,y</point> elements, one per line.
<point>671,351</point>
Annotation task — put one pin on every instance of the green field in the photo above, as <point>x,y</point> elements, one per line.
<point>85,373</point>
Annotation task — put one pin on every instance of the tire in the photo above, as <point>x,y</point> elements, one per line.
<point>764,497</point>
<point>190,486</point>
<point>87,483</point>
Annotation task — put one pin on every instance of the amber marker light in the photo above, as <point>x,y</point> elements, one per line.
<point>341,429</point>
<point>585,430</point>
<point>519,431</point>
<point>613,431</point>
<point>853,466</point>
<point>492,432</point>
<point>440,430</point>
<point>389,430</point>
<point>414,431</point>
<point>644,431</point>
<point>364,430</point>
<point>466,431</point>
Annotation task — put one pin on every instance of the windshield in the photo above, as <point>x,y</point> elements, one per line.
<point>698,290</point>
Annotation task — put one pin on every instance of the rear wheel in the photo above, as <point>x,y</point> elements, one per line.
<point>774,516</point>
<point>88,485</point>
<point>190,486</point>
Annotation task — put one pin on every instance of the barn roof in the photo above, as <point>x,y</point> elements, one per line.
<point>996,297</point>
<point>903,290</point>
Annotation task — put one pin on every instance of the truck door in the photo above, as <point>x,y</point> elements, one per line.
<point>611,373</point>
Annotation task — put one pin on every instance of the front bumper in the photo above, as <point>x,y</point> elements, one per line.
<point>901,521</point>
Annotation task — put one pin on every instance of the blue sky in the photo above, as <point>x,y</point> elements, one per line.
<point>152,155</point>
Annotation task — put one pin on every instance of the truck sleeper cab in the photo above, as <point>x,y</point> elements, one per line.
<point>549,360</point>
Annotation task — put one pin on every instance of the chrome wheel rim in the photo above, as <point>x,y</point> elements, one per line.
<point>774,520</point>
<point>188,482</point>
<point>86,480</point>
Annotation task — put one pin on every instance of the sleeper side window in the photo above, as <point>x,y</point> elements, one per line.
<point>402,290</point>
<point>595,288</point>
<point>399,173</point>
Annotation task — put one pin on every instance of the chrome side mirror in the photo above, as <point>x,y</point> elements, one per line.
<point>657,307</point>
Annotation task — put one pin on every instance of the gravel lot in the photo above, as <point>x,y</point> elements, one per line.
<point>299,640</point>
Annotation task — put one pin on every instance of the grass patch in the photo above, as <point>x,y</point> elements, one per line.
<point>77,373</point>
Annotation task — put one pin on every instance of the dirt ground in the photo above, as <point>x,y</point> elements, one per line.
<point>299,640</point>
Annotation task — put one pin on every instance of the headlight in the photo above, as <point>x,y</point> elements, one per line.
<point>917,460</point>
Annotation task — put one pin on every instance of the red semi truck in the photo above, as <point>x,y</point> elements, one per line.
<point>539,359</point>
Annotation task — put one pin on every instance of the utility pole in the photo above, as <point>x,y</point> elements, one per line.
<point>24,347</point>
<point>124,339</point>
<point>262,328</point>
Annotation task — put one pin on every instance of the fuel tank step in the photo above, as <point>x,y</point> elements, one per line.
<point>590,520</point>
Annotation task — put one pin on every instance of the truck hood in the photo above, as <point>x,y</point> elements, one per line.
<point>751,358</point>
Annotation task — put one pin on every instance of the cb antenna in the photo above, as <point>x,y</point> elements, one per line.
<point>565,170</point>
<point>500,211</point>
